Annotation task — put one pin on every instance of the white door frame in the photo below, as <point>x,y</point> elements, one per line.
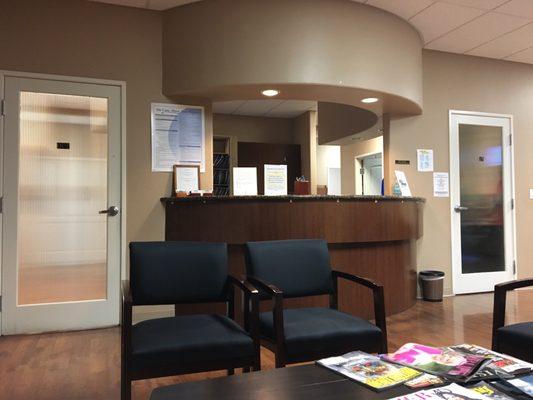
<point>358,167</point>
<point>455,192</point>
<point>63,78</point>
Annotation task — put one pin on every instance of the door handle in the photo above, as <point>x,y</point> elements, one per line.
<point>111,211</point>
<point>460,208</point>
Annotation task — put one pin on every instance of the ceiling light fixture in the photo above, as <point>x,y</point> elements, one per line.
<point>270,92</point>
<point>369,100</point>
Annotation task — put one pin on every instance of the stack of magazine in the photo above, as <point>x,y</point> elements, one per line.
<point>419,366</point>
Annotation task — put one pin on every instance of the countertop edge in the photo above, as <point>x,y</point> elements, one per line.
<point>205,199</point>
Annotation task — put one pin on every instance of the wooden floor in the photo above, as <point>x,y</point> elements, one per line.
<point>85,365</point>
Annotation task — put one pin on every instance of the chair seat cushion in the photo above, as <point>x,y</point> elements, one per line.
<point>322,331</point>
<point>516,340</point>
<point>190,339</point>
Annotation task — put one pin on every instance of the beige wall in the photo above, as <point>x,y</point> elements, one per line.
<point>349,153</point>
<point>240,128</point>
<point>474,84</point>
<point>87,39</point>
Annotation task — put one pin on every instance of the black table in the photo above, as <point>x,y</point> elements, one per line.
<point>306,382</point>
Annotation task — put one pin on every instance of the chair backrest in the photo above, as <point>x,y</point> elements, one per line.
<point>297,267</point>
<point>177,272</point>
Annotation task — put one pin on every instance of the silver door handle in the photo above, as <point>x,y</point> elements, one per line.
<point>111,211</point>
<point>460,208</point>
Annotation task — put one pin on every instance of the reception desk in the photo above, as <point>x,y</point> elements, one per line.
<point>370,236</point>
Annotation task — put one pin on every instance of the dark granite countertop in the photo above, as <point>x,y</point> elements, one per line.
<point>287,198</point>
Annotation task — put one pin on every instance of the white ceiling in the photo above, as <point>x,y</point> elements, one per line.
<point>265,108</point>
<point>501,29</point>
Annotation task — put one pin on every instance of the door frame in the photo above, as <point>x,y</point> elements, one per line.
<point>72,79</point>
<point>455,195</point>
<point>358,166</point>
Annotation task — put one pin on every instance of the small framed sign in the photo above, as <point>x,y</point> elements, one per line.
<point>186,179</point>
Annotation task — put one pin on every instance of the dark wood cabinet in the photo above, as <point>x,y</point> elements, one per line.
<point>258,154</point>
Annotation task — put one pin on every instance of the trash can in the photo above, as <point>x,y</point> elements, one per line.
<point>431,284</point>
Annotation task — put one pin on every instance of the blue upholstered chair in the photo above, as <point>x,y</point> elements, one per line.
<point>516,339</point>
<point>299,268</point>
<point>183,272</point>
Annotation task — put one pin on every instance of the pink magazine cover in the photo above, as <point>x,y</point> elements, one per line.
<point>438,361</point>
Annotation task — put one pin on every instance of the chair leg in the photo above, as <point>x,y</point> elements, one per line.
<point>280,362</point>
<point>245,370</point>
<point>231,371</point>
<point>125,389</point>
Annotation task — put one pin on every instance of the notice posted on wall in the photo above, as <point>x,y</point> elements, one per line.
<point>245,181</point>
<point>275,180</point>
<point>178,136</point>
<point>441,184</point>
<point>424,160</point>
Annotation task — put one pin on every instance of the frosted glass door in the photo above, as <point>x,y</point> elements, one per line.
<point>62,239</point>
<point>62,245</point>
<point>481,201</point>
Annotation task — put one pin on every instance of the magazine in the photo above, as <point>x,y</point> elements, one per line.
<point>438,361</point>
<point>525,384</point>
<point>489,391</point>
<point>500,365</point>
<point>369,370</point>
<point>423,381</point>
<point>449,392</point>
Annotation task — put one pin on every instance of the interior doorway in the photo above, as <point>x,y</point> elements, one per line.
<point>482,201</point>
<point>369,174</point>
<point>62,203</point>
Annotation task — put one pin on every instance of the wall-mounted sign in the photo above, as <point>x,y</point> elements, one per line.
<point>441,184</point>
<point>424,160</point>
<point>275,180</point>
<point>178,136</point>
<point>402,162</point>
<point>245,181</point>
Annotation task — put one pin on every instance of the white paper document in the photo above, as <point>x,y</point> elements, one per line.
<point>178,136</point>
<point>402,182</point>
<point>424,160</point>
<point>441,184</point>
<point>186,179</point>
<point>244,181</point>
<point>275,180</point>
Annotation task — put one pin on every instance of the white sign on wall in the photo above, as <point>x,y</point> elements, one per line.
<point>441,184</point>
<point>275,180</point>
<point>424,160</point>
<point>178,136</point>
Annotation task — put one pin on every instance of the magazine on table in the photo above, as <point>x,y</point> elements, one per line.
<point>489,391</point>
<point>525,384</point>
<point>424,380</point>
<point>449,392</point>
<point>369,370</point>
<point>500,365</point>
<point>444,361</point>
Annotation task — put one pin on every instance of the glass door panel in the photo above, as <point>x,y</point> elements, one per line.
<point>62,239</point>
<point>481,182</point>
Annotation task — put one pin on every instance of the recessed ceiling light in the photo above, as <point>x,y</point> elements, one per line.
<point>370,100</point>
<point>270,92</point>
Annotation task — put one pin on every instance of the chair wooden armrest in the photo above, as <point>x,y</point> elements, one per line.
<point>379,299</point>
<point>500,300</point>
<point>277,311</point>
<point>251,318</point>
<point>127,307</point>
